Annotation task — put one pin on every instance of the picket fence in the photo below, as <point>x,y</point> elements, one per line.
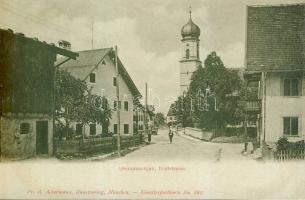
<point>93,145</point>
<point>291,154</point>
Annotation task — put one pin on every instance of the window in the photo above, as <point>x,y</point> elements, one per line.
<point>92,129</point>
<point>92,78</point>
<point>115,105</point>
<point>291,126</point>
<point>126,128</point>
<point>126,105</point>
<point>79,129</point>
<point>291,87</point>
<point>115,128</point>
<point>187,54</point>
<point>114,81</point>
<point>24,128</point>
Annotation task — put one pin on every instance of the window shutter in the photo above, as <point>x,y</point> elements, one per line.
<point>300,87</point>
<point>282,87</point>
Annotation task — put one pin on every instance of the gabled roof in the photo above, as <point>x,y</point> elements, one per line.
<point>88,58</point>
<point>276,37</point>
<point>94,57</point>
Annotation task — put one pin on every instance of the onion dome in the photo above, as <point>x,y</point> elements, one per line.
<point>190,29</point>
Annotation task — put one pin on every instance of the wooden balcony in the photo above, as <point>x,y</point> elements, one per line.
<point>253,106</point>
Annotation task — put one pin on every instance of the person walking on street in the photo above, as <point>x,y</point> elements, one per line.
<point>171,135</point>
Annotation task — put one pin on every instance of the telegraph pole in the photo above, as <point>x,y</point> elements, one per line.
<point>92,34</point>
<point>145,118</point>
<point>118,102</point>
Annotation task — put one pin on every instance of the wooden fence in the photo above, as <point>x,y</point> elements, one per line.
<point>93,145</point>
<point>292,154</point>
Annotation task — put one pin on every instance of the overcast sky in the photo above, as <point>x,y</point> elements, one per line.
<point>147,32</point>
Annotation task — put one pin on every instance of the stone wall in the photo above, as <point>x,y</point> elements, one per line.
<point>15,145</point>
<point>198,133</point>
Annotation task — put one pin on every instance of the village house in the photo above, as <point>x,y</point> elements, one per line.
<point>275,68</point>
<point>171,117</point>
<point>139,113</point>
<point>27,95</point>
<point>97,68</point>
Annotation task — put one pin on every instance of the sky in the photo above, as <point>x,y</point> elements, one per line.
<point>147,33</point>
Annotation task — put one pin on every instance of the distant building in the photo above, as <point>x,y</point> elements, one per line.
<point>171,117</point>
<point>276,70</point>
<point>97,68</point>
<point>190,60</point>
<point>27,95</point>
<point>139,112</point>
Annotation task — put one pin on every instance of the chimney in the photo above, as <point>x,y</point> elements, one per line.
<point>64,44</point>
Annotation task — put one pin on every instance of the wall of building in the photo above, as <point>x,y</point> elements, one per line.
<point>192,45</point>
<point>103,86</point>
<point>279,106</point>
<point>170,119</point>
<point>19,146</point>
<point>186,71</point>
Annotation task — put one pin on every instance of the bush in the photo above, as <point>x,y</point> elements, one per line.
<point>282,144</point>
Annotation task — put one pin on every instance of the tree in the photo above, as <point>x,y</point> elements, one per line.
<point>182,110</point>
<point>215,93</point>
<point>74,103</point>
<point>159,119</point>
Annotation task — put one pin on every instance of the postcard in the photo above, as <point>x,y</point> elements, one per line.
<point>151,99</point>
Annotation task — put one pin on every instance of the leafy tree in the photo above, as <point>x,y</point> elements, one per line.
<point>159,119</point>
<point>74,103</point>
<point>215,93</point>
<point>182,110</point>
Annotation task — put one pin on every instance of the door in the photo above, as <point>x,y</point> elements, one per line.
<point>42,137</point>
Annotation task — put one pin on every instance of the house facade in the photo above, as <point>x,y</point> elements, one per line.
<point>276,70</point>
<point>97,68</point>
<point>139,114</point>
<point>171,117</point>
<point>27,95</point>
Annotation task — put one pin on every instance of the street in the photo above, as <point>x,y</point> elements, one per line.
<point>185,148</point>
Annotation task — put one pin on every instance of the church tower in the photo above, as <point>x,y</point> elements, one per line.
<point>190,60</point>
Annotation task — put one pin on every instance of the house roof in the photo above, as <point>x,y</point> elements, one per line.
<point>88,58</point>
<point>93,58</point>
<point>276,37</point>
<point>34,41</point>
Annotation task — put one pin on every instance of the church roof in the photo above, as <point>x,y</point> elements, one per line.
<point>190,29</point>
<point>93,58</point>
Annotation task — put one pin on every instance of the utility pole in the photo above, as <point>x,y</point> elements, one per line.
<point>92,34</point>
<point>118,102</point>
<point>145,118</point>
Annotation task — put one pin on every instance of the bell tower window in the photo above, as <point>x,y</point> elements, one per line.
<point>187,54</point>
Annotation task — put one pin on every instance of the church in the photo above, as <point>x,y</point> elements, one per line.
<point>190,59</point>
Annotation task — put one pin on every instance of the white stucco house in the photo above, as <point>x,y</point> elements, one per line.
<point>275,58</point>
<point>97,68</point>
